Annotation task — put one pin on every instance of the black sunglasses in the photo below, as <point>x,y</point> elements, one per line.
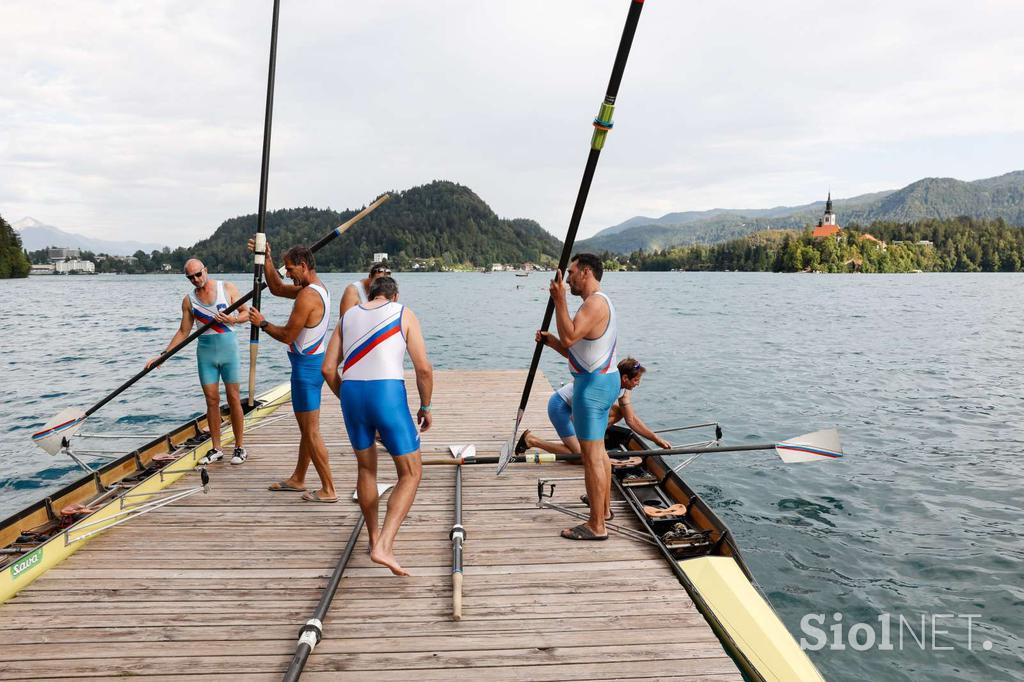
<point>194,275</point>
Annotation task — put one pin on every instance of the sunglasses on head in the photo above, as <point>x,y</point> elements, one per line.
<point>378,271</point>
<point>195,275</point>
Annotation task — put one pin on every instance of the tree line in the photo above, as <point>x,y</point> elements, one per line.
<point>951,245</point>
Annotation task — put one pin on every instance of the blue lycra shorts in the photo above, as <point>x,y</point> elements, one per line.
<point>217,359</point>
<point>593,395</point>
<point>307,381</point>
<point>560,416</point>
<point>379,406</point>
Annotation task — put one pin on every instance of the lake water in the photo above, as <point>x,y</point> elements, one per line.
<point>920,373</point>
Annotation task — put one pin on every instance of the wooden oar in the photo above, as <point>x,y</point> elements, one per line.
<point>65,424</point>
<point>602,124</point>
<point>458,533</point>
<point>811,447</point>
<point>260,252</point>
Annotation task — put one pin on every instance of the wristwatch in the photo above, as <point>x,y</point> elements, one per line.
<point>264,324</point>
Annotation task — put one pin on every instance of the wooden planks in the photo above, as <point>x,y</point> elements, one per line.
<point>216,587</point>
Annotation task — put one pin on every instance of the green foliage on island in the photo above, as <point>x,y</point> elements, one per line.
<point>437,226</point>
<point>13,261</point>
<point>954,245</point>
<point>926,199</point>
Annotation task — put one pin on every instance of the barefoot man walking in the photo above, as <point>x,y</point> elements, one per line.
<point>371,342</point>
<point>589,339</point>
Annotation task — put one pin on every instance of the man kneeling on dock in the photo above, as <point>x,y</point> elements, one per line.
<point>370,345</point>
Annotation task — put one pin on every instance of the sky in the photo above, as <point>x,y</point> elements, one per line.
<point>144,120</point>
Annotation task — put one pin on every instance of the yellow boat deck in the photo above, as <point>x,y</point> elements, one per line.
<point>216,587</point>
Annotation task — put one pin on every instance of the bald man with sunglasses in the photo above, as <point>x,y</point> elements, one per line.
<point>216,352</point>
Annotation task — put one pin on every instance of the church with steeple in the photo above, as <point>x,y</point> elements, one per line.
<point>827,225</point>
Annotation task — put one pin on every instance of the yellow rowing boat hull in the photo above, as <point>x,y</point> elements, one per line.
<point>55,550</point>
<point>745,617</point>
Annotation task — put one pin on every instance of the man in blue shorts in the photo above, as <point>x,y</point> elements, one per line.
<point>631,373</point>
<point>589,339</point>
<point>371,342</point>
<point>216,352</point>
<point>305,334</point>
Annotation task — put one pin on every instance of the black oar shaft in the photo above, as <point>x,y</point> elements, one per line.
<point>602,125</point>
<point>312,632</point>
<point>458,537</point>
<point>261,219</point>
<point>545,457</point>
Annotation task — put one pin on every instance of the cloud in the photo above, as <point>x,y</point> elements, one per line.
<point>144,120</point>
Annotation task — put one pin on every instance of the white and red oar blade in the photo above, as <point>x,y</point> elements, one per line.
<point>61,427</point>
<point>811,447</point>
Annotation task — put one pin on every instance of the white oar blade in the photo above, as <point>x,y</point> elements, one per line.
<point>61,426</point>
<point>381,489</point>
<point>504,457</point>
<point>468,452</point>
<point>811,447</point>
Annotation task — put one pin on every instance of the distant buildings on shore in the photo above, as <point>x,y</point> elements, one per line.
<point>828,226</point>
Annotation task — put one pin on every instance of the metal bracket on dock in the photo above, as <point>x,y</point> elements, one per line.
<point>546,491</point>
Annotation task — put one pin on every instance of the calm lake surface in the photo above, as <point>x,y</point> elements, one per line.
<point>920,373</point>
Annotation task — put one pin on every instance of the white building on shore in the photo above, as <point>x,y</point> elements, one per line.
<point>74,266</point>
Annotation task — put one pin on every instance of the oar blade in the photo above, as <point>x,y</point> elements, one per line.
<point>381,489</point>
<point>504,457</point>
<point>61,427</point>
<point>811,447</point>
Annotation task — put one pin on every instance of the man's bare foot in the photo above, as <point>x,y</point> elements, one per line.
<point>379,556</point>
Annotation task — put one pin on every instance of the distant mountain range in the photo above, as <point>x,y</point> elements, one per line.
<point>998,197</point>
<point>36,235</point>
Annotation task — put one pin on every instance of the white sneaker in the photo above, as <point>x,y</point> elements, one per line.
<point>239,456</point>
<point>212,456</point>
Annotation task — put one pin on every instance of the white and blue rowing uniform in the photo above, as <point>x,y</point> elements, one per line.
<point>217,347</point>
<point>595,372</point>
<point>306,355</point>
<point>373,396</point>
<point>560,409</point>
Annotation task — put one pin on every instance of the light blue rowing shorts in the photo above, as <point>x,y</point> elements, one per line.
<point>592,398</point>
<point>217,359</point>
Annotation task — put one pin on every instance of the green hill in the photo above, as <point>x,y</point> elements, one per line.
<point>441,224</point>
<point>930,198</point>
<point>13,262</point>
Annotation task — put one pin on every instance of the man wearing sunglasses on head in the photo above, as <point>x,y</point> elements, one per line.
<point>216,352</point>
<point>358,291</point>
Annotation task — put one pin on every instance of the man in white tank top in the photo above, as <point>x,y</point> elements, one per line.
<point>355,293</point>
<point>588,340</point>
<point>372,340</point>
<point>216,352</point>
<point>305,335</point>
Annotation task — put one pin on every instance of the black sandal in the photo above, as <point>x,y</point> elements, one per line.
<point>581,532</point>
<point>521,445</point>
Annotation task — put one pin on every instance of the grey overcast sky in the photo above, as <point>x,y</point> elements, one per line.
<point>143,120</point>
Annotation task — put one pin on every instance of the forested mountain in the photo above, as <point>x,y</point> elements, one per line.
<point>441,224</point>
<point>13,262</point>
<point>930,198</point>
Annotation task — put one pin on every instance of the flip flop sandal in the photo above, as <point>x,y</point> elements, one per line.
<point>521,445</point>
<point>283,487</point>
<point>581,532</point>
<point>313,497</point>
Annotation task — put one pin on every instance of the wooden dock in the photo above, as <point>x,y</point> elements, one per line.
<point>217,586</point>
